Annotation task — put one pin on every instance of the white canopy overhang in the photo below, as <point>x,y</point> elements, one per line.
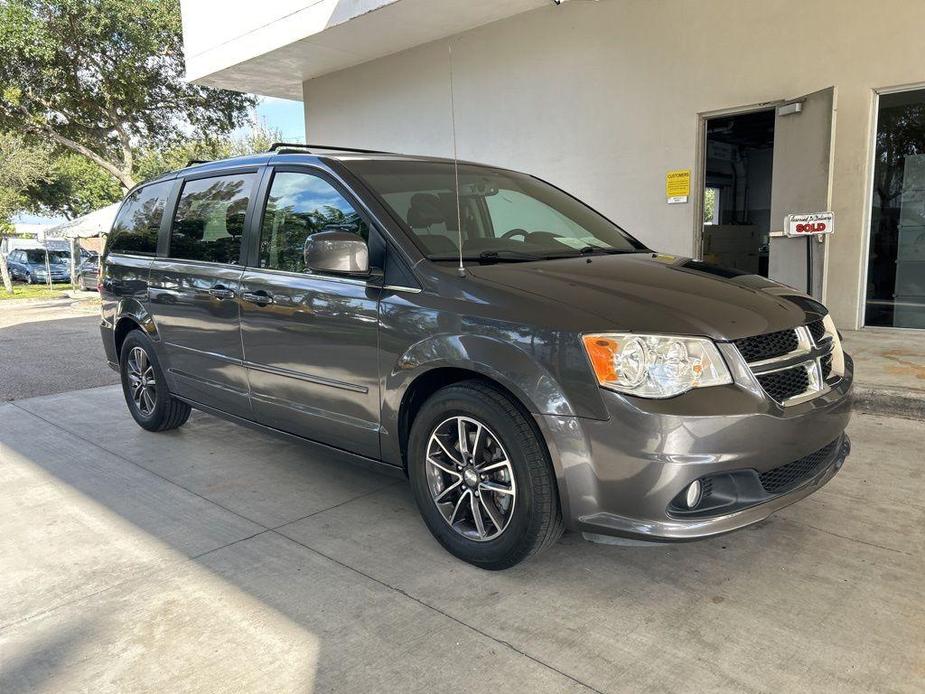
<point>271,48</point>
<point>95,223</point>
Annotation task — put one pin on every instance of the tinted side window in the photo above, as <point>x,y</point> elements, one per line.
<point>139,219</point>
<point>209,221</point>
<point>298,206</point>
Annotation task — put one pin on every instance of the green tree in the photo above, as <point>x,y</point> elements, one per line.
<point>74,187</point>
<point>709,204</point>
<point>104,78</point>
<point>152,162</point>
<point>22,165</point>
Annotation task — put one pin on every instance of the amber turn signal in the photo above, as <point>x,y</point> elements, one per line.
<point>601,351</point>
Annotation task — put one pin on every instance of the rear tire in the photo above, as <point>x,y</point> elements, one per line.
<point>145,386</point>
<point>508,478</point>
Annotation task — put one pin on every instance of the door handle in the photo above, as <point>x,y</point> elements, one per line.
<point>220,292</point>
<point>260,297</point>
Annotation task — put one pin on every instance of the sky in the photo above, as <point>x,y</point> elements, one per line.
<point>286,115</point>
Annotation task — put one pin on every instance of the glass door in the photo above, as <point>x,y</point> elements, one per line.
<point>896,258</point>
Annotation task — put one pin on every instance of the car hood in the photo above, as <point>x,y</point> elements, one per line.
<point>648,292</point>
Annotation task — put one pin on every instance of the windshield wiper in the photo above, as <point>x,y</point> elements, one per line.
<point>509,255</point>
<point>586,250</point>
<point>591,250</point>
<point>506,256</point>
<point>492,256</point>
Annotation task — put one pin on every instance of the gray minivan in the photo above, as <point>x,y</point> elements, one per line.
<point>525,362</point>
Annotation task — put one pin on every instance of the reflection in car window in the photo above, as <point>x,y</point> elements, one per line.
<point>209,221</point>
<point>139,220</point>
<point>501,211</point>
<point>298,206</point>
<point>511,209</point>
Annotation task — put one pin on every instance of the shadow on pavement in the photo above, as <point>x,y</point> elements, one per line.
<point>233,557</point>
<point>52,356</point>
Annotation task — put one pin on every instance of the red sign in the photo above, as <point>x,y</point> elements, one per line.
<point>809,224</point>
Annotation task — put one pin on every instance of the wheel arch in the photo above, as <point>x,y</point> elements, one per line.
<point>440,360</point>
<point>434,380</point>
<point>132,315</point>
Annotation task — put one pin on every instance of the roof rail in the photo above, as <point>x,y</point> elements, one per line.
<point>194,162</point>
<point>281,146</point>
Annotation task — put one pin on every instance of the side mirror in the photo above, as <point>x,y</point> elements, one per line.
<point>339,252</point>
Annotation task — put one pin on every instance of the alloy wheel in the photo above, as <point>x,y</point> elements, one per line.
<point>142,383</point>
<point>470,478</point>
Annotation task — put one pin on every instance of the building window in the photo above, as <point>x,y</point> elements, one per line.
<point>896,261</point>
<point>711,205</point>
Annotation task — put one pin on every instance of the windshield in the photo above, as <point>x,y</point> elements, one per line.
<point>54,257</point>
<point>504,215</point>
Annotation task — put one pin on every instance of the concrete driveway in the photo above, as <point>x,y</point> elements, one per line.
<point>214,558</point>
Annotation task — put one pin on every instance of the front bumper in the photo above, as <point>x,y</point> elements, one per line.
<point>621,476</point>
<point>55,277</point>
<point>693,528</point>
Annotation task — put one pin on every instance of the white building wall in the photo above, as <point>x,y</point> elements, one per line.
<point>602,98</point>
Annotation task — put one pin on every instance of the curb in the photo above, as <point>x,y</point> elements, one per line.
<point>50,301</point>
<point>886,400</point>
<point>38,302</point>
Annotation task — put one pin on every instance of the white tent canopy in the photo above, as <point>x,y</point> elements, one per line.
<point>93,224</point>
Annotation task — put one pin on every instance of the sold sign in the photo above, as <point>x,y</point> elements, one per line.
<point>809,224</point>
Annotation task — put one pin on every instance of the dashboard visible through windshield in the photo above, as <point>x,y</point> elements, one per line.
<point>505,216</point>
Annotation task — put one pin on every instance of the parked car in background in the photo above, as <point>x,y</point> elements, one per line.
<point>88,272</point>
<point>29,265</point>
<point>10,244</point>
<point>552,372</point>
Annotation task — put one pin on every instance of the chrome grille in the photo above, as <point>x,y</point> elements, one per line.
<point>817,330</point>
<point>786,384</point>
<point>790,365</point>
<point>767,346</point>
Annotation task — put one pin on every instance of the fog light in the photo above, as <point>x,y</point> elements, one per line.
<point>692,496</point>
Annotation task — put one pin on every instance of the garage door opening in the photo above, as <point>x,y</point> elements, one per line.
<point>737,190</point>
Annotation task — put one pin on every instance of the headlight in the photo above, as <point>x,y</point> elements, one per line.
<point>655,366</point>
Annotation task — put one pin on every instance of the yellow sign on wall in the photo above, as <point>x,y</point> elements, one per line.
<point>678,185</point>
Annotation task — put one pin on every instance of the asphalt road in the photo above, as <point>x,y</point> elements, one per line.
<point>50,347</point>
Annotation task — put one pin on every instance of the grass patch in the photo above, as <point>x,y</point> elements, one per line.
<point>34,291</point>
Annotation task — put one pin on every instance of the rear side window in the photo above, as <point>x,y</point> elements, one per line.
<point>298,206</point>
<point>210,216</point>
<point>139,220</point>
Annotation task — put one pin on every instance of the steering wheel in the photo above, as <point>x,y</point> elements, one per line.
<point>515,232</point>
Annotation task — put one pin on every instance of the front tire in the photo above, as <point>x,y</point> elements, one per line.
<point>145,386</point>
<point>482,477</point>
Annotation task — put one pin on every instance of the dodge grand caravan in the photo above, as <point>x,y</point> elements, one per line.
<point>554,374</point>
